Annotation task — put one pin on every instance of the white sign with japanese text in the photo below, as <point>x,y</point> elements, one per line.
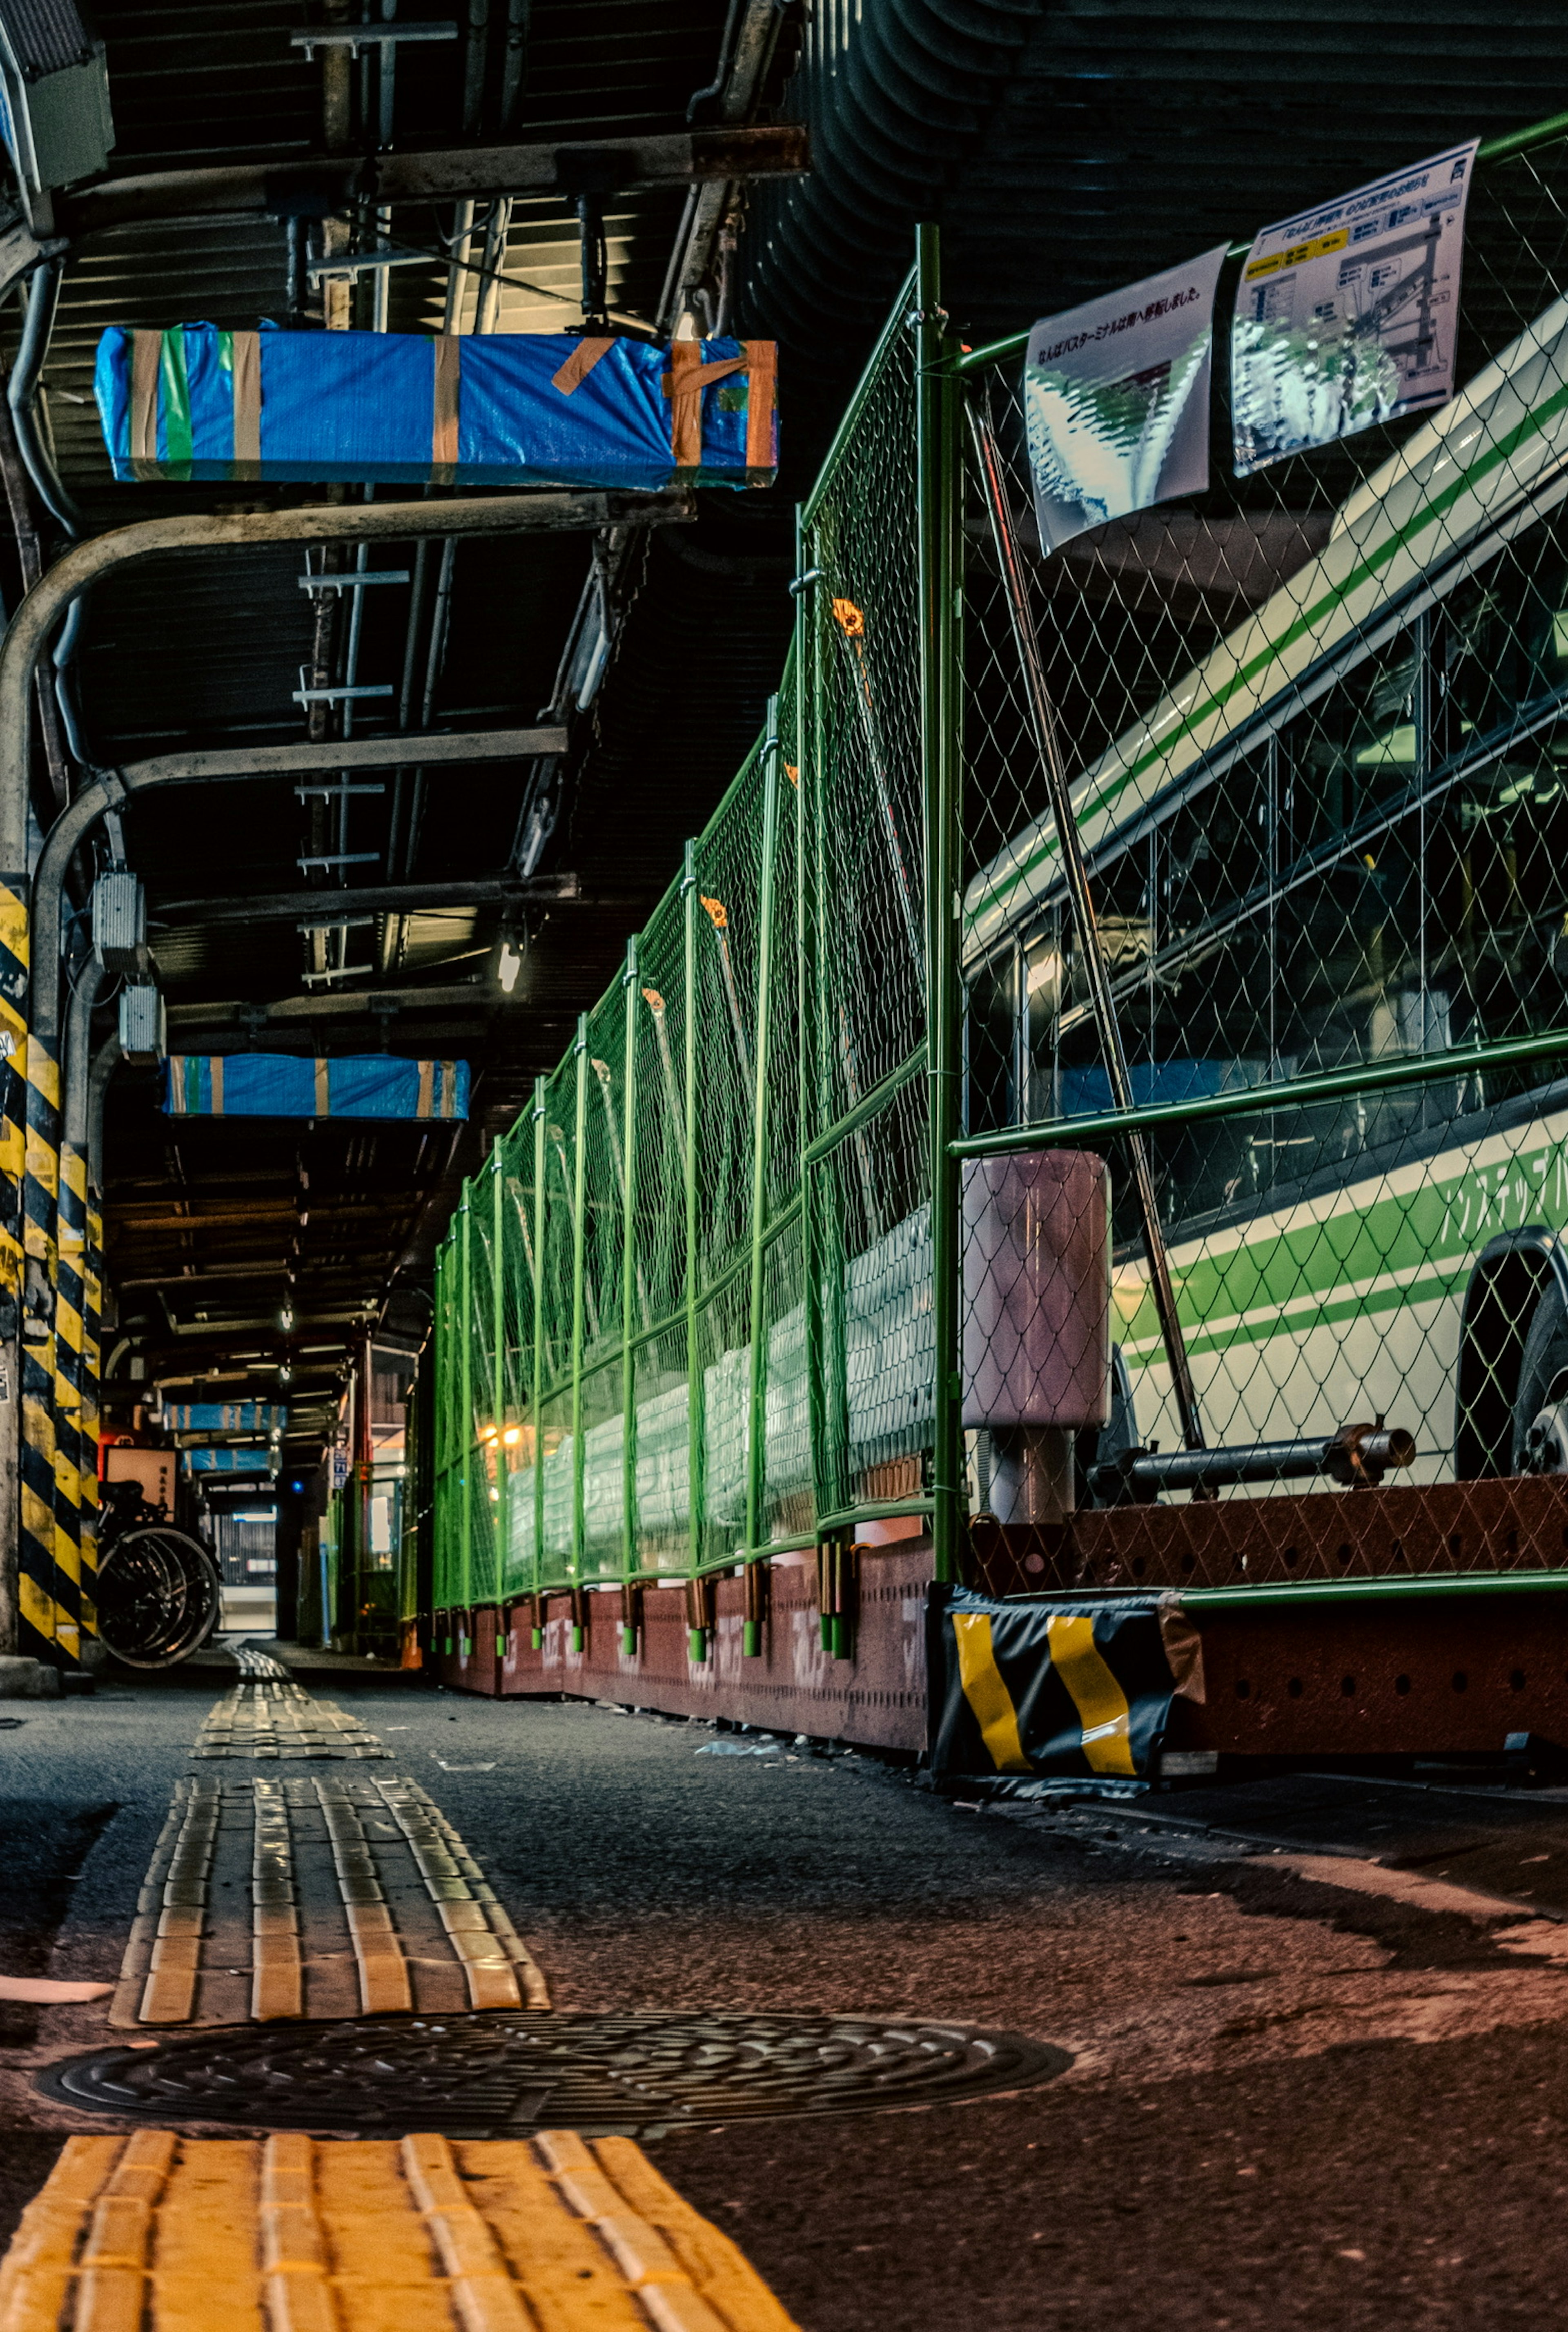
<point>1116,400</point>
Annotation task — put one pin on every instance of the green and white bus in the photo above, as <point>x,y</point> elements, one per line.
<point>1342,836</point>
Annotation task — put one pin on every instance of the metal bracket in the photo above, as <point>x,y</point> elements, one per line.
<point>354,37</point>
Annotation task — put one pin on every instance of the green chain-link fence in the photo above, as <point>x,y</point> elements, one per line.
<point>703,1302</point>
<point>685,1315</point>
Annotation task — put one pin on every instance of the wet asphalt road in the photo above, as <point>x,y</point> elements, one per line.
<point>1299,2094</point>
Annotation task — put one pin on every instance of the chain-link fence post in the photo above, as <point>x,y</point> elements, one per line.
<point>536,1402</point>
<point>468,1445</point>
<point>690,910</point>
<point>762,1054</point>
<point>629,1562</point>
<point>578,1288</point>
<point>498,1310</point>
<point>941,568</point>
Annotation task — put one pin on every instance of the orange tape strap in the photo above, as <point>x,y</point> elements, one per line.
<point>146,356</point>
<point>683,390</point>
<point>687,380</point>
<point>447,390</point>
<point>579,364</point>
<point>246,347</point>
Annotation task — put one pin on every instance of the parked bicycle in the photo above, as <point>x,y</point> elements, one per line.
<point>159,1594</point>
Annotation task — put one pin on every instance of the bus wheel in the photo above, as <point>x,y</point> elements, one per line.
<point>1541,1406</point>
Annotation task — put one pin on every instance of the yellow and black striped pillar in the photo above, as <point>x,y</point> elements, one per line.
<point>26,1596</point>
<point>48,1591</point>
<point>69,1342</point>
<point>92,1412</point>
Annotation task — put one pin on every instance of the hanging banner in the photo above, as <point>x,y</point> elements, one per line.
<point>1346,315</point>
<point>1054,1687</point>
<point>1116,400</point>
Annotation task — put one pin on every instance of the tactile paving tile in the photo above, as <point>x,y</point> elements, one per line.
<point>318,1896</point>
<point>164,2234</point>
<point>264,1718</point>
<point>252,1661</point>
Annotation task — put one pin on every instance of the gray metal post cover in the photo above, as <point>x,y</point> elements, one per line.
<point>1037,1289</point>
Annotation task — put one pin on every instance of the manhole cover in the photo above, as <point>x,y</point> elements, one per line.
<point>503,2074</point>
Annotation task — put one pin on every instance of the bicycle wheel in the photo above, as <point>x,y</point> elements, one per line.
<point>159,1597</point>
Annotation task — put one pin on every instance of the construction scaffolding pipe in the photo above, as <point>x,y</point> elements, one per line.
<point>112,787</point>
<point>86,563</point>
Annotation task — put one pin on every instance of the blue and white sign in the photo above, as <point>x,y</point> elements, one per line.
<point>1347,315</point>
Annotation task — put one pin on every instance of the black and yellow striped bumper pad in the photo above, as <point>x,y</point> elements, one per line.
<point>1051,1688</point>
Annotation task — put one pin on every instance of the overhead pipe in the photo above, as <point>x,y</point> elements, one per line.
<point>21,389</point>
<point>78,1043</point>
<point>105,1062</point>
<point>43,306</point>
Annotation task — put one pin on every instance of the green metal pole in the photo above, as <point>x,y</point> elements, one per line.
<point>940,709</point>
<point>498,1314</point>
<point>537,1403</point>
<point>628,1284</point>
<point>470,1438</point>
<point>579,1268</point>
<point>834,1489</point>
<point>757,1403</point>
<point>696,1642</point>
<point>807,1012</point>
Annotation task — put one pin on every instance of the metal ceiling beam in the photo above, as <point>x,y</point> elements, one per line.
<point>112,789</point>
<point>383,899</point>
<point>320,185</point>
<point>86,563</point>
<point>228,1326</point>
<point>327,1004</point>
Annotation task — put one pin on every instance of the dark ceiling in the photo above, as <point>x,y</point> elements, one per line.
<point>1063,145</point>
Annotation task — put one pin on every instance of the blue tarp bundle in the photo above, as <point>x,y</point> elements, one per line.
<point>288,1084</point>
<point>500,408</point>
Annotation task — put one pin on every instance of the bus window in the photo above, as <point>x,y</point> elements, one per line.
<point>993,1043</point>
<point>1044,960</point>
<point>1503,643</point>
<point>1358,745</point>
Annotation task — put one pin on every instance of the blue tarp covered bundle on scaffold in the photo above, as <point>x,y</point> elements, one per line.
<point>500,408</point>
<point>293,1085</point>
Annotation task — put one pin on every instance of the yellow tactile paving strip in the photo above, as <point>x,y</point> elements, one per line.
<point>262,1718</point>
<point>319,1896</point>
<point>163,2233</point>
